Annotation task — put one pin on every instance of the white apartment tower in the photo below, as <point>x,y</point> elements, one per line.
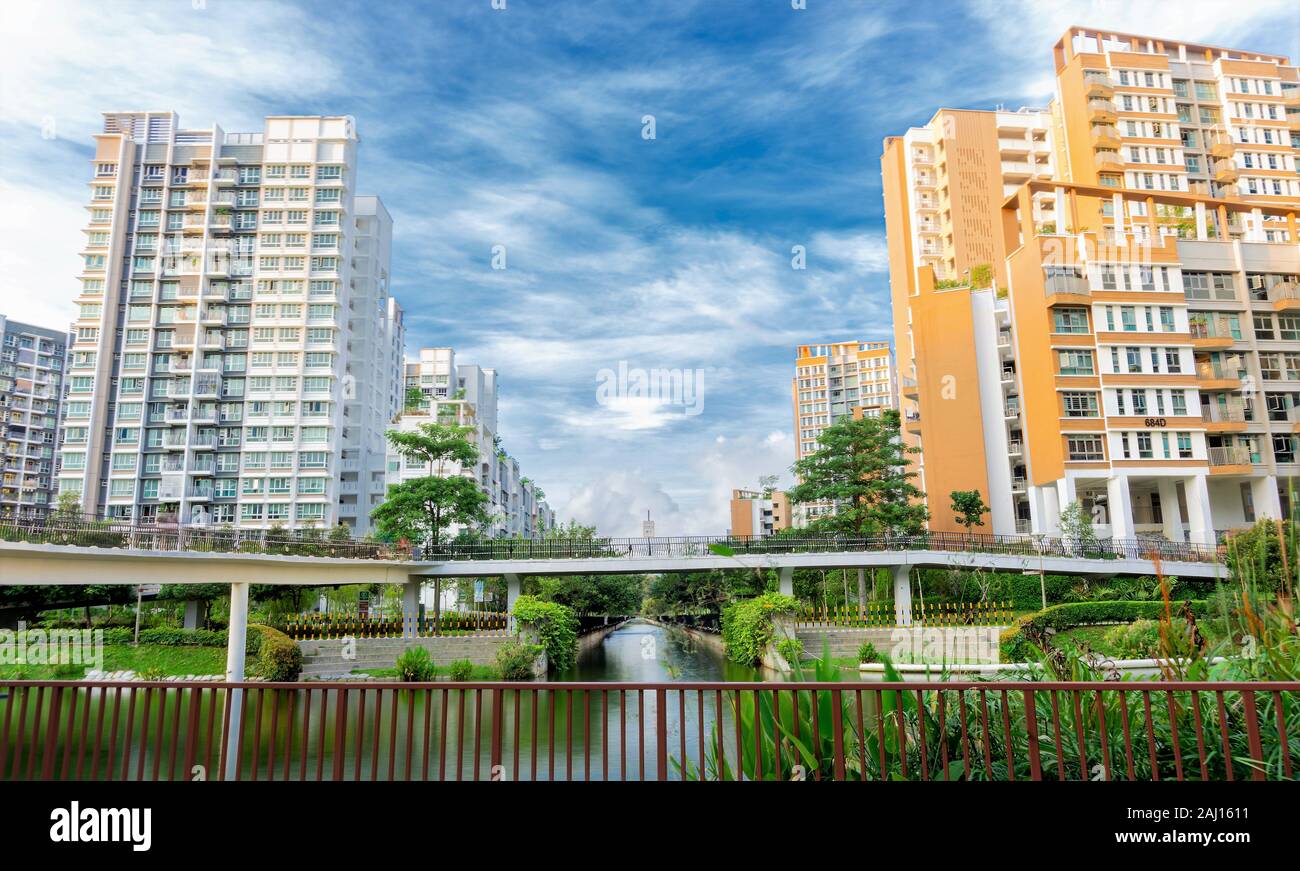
<point>466,395</point>
<point>231,359</point>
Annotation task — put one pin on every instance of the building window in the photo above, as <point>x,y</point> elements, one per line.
<point>1085,448</point>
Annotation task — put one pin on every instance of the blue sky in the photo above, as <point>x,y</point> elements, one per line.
<point>523,128</point>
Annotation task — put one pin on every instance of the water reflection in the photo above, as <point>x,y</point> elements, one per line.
<point>644,652</point>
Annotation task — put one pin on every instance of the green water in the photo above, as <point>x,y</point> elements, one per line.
<point>643,652</point>
<point>377,732</point>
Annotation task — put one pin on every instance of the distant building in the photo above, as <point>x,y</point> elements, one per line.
<point>758,514</point>
<point>466,395</point>
<point>32,360</point>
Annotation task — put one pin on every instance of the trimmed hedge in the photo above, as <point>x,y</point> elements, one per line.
<point>1016,647</point>
<point>167,637</point>
<point>278,657</point>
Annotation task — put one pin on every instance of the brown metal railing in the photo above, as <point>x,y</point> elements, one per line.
<point>629,731</point>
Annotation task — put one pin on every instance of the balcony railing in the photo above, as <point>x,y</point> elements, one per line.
<point>1071,284</point>
<point>1284,291</point>
<point>1213,327</point>
<point>1234,455</point>
<point>1230,369</point>
<point>1232,412</point>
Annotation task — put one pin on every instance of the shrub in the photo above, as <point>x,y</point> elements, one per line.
<point>556,627</point>
<point>151,672</point>
<point>515,659</point>
<point>169,637</point>
<point>278,657</point>
<point>1256,555</point>
<point>1018,641</point>
<point>791,649</point>
<point>1141,638</point>
<point>747,625</point>
<point>867,652</point>
<point>461,670</point>
<point>415,664</point>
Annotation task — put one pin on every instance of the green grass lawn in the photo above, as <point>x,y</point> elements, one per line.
<point>169,661</point>
<point>1094,638</point>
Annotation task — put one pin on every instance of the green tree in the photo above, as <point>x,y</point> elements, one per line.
<point>861,467</point>
<point>1076,527</point>
<point>414,398</point>
<point>969,508</point>
<point>595,594</point>
<point>421,510</point>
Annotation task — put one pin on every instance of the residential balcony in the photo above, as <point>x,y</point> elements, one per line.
<point>1102,110</point>
<point>1225,374</point>
<point>912,422</point>
<point>1066,286</point>
<point>1018,484</point>
<point>1098,86</point>
<point>1106,135</point>
<point>909,387</point>
<point>1227,417</point>
<point>1015,447</point>
<point>1225,171</point>
<point>1230,460</point>
<point>1011,408</point>
<point>1220,143</point>
<point>1213,331</point>
<point>1109,160</point>
<point>1285,296</point>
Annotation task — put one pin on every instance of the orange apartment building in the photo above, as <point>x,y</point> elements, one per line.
<point>1122,330</point>
<point>756,514</point>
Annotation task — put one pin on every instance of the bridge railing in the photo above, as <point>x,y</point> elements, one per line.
<point>52,730</point>
<point>706,546</point>
<point>315,542</point>
<point>88,531</point>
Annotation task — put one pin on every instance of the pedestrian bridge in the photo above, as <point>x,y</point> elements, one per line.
<point>104,553</point>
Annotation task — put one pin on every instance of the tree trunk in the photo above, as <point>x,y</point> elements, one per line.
<point>862,585</point>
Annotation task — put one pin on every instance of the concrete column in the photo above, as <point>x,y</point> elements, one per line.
<point>1120,508</point>
<point>1201,224</point>
<point>1263,492</point>
<point>1257,225</point>
<point>786,575</point>
<point>1199,519</point>
<point>903,595</point>
<point>411,607</point>
<point>193,608</point>
<point>1169,510</point>
<point>513,588</point>
<point>236,639</point>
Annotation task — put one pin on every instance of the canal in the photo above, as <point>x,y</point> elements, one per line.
<point>645,652</point>
<point>376,731</point>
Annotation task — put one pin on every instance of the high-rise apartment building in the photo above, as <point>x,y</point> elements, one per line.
<point>836,380</point>
<point>32,362</point>
<point>758,513</point>
<point>1143,113</point>
<point>833,381</point>
<point>465,395</point>
<point>1131,345</point>
<point>943,185</point>
<point>231,361</point>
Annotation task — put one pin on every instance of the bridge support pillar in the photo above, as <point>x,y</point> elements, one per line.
<point>903,595</point>
<point>237,636</point>
<point>411,607</point>
<point>513,589</point>
<point>786,583</point>
<point>193,607</point>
